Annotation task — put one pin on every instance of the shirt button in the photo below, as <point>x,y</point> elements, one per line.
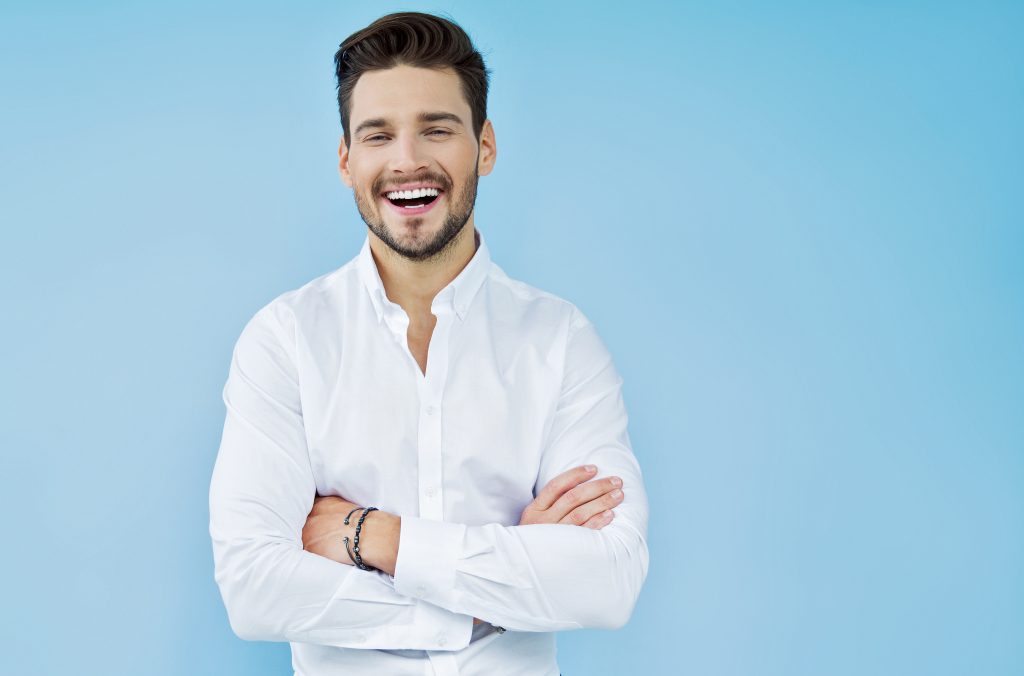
<point>421,589</point>
<point>359,638</point>
<point>441,639</point>
<point>431,410</point>
<point>461,308</point>
<point>431,491</point>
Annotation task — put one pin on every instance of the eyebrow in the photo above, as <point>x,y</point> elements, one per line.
<point>439,116</point>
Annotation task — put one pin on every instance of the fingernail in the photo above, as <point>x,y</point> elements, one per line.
<point>616,481</point>
<point>590,468</point>
<point>616,494</point>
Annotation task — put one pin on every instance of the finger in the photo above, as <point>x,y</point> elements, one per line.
<point>580,515</point>
<point>600,520</point>
<point>560,484</point>
<point>584,493</point>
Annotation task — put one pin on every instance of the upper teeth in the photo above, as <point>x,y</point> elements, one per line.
<point>411,194</point>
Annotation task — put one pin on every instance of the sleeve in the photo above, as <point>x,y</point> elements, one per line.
<point>261,493</point>
<point>547,577</point>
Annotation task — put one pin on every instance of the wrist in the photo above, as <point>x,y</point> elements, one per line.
<point>378,543</point>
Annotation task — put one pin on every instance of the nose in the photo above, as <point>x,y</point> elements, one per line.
<point>408,154</point>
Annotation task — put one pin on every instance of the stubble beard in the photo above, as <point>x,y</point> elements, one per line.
<point>426,249</point>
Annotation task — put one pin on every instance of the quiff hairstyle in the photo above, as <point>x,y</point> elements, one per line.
<point>411,39</point>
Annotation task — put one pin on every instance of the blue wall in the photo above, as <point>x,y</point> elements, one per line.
<point>798,228</point>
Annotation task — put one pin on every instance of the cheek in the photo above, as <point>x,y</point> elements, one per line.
<point>365,189</point>
<point>362,175</point>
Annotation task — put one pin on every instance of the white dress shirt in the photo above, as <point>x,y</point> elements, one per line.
<point>324,396</point>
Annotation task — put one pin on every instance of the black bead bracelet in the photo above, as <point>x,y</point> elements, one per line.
<point>357,559</point>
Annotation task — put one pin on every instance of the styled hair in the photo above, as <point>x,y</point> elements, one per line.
<point>411,39</point>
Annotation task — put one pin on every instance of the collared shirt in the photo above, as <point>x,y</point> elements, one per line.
<point>324,396</point>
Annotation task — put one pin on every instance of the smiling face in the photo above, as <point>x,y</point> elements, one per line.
<point>413,162</point>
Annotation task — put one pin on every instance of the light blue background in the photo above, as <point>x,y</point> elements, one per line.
<point>798,228</point>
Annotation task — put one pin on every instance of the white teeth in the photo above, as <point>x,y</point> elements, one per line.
<point>410,194</point>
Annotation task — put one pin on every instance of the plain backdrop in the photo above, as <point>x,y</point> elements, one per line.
<point>798,227</point>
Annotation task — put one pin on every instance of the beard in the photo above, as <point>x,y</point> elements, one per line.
<point>419,246</point>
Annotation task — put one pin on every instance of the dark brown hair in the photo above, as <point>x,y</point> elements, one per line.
<point>411,39</point>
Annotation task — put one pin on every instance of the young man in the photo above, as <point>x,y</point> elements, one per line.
<point>480,417</point>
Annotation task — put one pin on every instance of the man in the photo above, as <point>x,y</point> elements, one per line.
<point>481,417</point>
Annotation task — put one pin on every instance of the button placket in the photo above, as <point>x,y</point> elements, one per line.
<point>430,432</point>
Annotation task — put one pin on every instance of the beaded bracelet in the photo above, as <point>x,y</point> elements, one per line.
<point>357,559</point>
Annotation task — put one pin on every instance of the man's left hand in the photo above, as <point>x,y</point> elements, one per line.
<point>325,526</point>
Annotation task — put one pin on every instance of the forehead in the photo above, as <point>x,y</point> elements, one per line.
<point>402,92</point>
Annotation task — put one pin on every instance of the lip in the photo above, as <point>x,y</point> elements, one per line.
<point>414,211</point>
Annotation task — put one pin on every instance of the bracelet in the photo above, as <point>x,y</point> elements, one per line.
<point>357,559</point>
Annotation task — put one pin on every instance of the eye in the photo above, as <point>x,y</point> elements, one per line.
<point>375,137</point>
<point>442,132</point>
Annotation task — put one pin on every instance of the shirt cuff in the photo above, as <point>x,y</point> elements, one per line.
<point>427,554</point>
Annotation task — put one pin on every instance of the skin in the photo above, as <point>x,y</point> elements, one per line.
<point>417,256</point>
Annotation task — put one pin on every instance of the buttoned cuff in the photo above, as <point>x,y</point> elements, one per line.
<point>427,555</point>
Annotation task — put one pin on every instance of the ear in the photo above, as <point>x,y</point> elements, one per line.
<point>343,162</point>
<point>488,149</point>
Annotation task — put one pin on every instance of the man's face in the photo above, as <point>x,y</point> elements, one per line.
<point>411,128</point>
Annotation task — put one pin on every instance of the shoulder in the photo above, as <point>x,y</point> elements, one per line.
<point>289,311</point>
<point>531,303</point>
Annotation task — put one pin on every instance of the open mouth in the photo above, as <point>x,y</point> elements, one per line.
<point>413,199</point>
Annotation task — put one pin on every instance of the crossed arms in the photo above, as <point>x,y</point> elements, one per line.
<point>569,498</point>
<point>532,577</point>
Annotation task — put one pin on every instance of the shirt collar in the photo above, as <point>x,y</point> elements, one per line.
<point>456,296</point>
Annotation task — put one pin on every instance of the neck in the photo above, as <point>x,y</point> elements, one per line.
<point>413,284</point>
